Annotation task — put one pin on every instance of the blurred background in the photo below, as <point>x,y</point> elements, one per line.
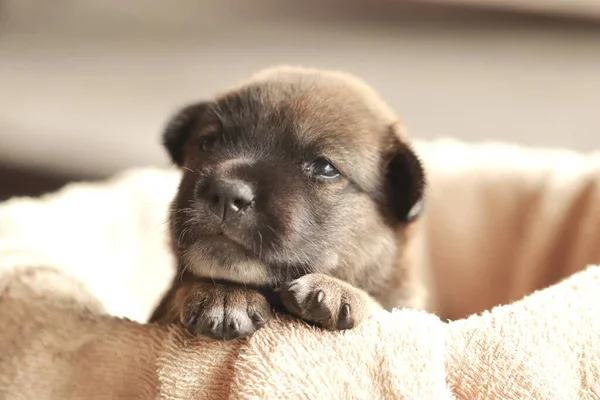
<point>86,86</point>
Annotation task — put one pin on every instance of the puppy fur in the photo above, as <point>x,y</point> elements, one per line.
<point>330,248</point>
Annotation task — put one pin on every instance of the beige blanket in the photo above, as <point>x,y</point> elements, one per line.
<point>503,222</point>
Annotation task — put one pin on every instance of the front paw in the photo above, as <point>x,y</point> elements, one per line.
<point>224,312</point>
<point>327,301</point>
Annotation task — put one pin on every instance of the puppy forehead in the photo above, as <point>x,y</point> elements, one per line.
<point>335,115</point>
<point>315,113</point>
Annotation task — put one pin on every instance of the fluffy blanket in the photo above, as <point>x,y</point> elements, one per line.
<point>508,229</point>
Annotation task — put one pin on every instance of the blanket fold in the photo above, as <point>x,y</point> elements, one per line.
<point>543,347</point>
<point>510,230</point>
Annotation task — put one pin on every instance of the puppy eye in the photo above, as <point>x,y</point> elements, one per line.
<point>207,142</point>
<point>321,168</point>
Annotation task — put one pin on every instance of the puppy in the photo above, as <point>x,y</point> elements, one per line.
<point>299,191</point>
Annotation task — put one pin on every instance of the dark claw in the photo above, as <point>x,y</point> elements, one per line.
<point>320,296</point>
<point>320,311</point>
<point>346,310</point>
<point>258,319</point>
<point>291,287</point>
<point>191,321</point>
<point>345,321</point>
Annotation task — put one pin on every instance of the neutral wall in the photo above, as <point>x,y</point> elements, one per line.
<point>89,91</point>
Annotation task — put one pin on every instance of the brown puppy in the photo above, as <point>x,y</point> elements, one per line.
<point>298,188</point>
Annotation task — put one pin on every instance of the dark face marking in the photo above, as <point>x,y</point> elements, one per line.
<point>289,175</point>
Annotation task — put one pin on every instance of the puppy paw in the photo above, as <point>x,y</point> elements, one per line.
<point>327,301</point>
<point>224,312</point>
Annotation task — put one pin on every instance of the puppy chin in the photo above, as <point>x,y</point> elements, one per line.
<point>224,260</point>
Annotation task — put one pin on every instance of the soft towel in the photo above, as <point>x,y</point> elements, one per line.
<point>502,222</point>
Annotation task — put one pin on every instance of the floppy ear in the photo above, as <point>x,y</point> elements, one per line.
<point>179,129</point>
<point>406,181</point>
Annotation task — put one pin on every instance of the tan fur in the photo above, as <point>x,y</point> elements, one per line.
<point>354,127</point>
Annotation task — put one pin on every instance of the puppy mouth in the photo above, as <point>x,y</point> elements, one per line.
<point>230,242</point>
<point>225,239</point>
<point>204,232</point>
<point>218,256</point>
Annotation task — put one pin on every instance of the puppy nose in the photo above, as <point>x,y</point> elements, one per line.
<point>227,198</point>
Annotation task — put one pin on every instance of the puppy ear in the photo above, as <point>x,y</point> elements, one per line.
<point>179,129</point>
<point>406,181</point>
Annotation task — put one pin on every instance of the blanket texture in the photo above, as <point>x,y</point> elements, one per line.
<point>508,229</point>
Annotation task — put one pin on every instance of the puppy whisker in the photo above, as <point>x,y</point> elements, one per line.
<point>261,245</point>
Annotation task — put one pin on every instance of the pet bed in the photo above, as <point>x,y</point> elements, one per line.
<point>508,229</point>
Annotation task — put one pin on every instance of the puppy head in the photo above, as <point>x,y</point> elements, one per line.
<point>295,171</point>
